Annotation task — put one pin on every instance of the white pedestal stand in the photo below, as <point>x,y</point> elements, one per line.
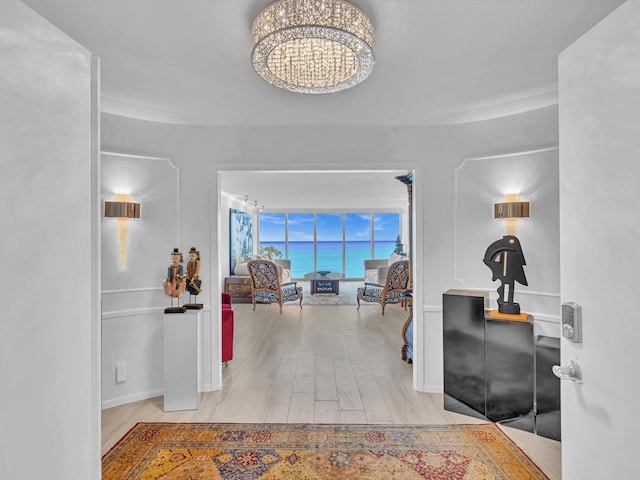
<point>181,361</point>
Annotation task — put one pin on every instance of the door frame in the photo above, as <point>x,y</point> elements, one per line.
<point>218,261</point>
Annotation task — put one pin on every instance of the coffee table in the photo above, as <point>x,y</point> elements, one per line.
<point>327,283</point>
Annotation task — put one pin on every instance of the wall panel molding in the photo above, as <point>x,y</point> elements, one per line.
<point>479,182</point>
<point>132,290</point>
<point>154,182</point>
<point>136,312</point>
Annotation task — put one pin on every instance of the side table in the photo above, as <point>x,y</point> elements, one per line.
<point>324,283</point>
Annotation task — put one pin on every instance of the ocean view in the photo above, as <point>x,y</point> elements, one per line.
<point>329,256</point>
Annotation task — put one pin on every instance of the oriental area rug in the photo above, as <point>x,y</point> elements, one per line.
<point>195,451</point>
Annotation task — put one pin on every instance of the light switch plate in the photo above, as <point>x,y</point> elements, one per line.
<point>121,371</point>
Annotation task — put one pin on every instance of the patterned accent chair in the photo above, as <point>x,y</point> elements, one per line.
<point>266,287</point>
<point>393,289</point>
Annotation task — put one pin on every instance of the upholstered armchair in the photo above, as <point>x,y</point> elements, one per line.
<point>391,291</point>
<point>266,286</point>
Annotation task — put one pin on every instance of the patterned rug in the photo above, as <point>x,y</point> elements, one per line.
<point>183,451</point>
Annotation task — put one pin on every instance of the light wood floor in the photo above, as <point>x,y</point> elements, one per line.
<point>321,364</point>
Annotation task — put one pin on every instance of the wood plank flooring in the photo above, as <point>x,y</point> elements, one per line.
<point>321,364</point>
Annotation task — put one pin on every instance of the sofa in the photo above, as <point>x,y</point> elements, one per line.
<point>375,270</point>
<point>283,266</point>
<point>227,328</point>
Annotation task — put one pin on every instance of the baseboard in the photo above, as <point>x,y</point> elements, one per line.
<point>434,388</point>
<point>134,397</point>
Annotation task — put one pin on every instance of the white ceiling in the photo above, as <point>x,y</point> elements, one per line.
<point>437,62</point>
<point>325,190</point>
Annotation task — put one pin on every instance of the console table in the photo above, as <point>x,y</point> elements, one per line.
<point>239,288</point>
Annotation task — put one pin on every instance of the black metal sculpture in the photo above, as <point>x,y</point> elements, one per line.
<point>505,259</point>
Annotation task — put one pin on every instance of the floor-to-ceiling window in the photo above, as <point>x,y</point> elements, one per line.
<point>329,243</point>
<point>386,229</point>
<point>357,229</point>
<point>338,242</point>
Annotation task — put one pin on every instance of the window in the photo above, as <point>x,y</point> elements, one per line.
<point>300,242</point>
<point>386,228</point>
<point>273,231</point>
<point>358,243</point>
<point>339,242</point>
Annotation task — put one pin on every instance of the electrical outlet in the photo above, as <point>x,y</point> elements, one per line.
<point>121,372</point>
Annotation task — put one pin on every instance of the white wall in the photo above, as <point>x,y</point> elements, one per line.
<point>133,299</point>
<point>482,182</point>
<point>600,231</point>
<point>49,337</point>
<point>434,153</point>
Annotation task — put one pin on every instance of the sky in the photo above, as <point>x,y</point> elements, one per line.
<point>357,227</point>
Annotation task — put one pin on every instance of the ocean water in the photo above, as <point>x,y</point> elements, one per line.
<point>329,256</point>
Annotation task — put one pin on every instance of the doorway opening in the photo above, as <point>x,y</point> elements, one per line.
<point>316,189</point>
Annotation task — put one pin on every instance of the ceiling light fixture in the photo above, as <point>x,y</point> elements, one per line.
<point>312,46</point>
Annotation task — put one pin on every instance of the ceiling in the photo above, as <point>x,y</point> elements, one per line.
<point>325,190</point>
<point>437,62</point>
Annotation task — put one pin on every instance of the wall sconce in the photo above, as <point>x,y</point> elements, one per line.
<point>123,210</point>
<point>511,210</point>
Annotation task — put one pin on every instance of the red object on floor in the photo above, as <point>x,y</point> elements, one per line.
<point>227,328</point>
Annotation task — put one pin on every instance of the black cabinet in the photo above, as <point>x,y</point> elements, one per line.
<point>547,387</point>
<point>464,366</point>
<point>493,368</point>
<point>509,370</point>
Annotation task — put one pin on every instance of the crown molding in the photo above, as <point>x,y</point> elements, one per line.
<point>490,109</point>
<point>498,107</point>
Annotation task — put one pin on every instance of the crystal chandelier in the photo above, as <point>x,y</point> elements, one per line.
<point>312,46</point>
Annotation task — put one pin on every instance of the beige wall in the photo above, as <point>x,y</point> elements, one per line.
<point>49,337</point>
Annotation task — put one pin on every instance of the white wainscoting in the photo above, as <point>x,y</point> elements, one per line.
<point>135,335</point>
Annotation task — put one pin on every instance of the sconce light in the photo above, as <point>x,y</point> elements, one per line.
<point>511,209</point>
<point>123,210</point>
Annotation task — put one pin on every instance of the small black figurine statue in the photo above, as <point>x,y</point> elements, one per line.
<point>505,259</point>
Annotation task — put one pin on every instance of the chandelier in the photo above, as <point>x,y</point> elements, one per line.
<point>312,46</point>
